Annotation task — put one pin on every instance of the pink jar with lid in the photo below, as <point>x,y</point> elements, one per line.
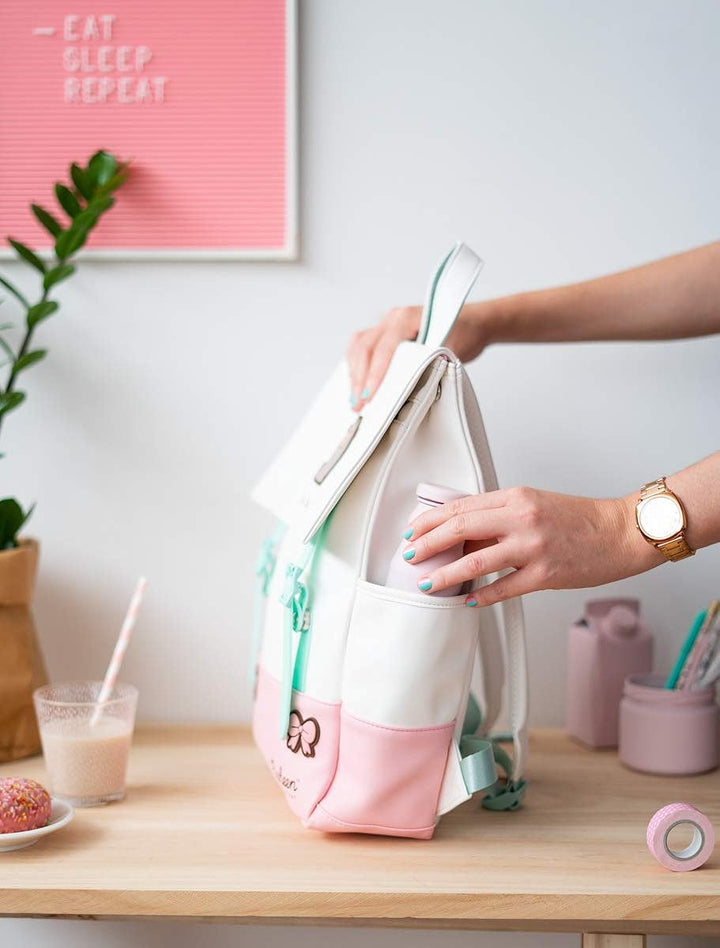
<point>667,731</point>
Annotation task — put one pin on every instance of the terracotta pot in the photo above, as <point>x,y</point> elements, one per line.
<point>21,663</point>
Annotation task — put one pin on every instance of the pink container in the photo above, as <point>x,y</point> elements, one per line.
<point>404,574</point>
<point>609,643</point>
<point>663,731</point>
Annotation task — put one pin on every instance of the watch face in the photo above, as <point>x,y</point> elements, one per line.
<point>660,517</point>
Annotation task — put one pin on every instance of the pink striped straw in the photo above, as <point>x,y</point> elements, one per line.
<point>118,654</point>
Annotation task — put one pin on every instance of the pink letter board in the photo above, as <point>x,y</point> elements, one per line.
<point>200,94</point>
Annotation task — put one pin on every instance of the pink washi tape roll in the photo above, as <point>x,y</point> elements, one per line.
<point>698,850</point>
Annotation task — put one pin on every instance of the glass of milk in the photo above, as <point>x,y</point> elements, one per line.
<point>86,746</point>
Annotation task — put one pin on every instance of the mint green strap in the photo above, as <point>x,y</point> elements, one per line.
<point>478,759</point>
<point>477,763</point>
<point>508,795</point>
<point>473,716</point>
<point>264,569</point>
<point>303,650</point>
<point>297,599</point>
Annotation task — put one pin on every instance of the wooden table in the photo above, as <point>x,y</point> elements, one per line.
<point>205,834</point>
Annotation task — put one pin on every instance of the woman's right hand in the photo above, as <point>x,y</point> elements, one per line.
<point>371,350</point>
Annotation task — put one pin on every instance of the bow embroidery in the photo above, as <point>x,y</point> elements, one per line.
<point>303,734</point>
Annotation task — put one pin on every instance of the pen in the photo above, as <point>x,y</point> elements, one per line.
<point>685,650</point>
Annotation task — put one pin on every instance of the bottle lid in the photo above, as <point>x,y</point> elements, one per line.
<point>621,622</point>
<point>435,494</point>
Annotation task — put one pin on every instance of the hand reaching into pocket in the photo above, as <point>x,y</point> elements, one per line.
<point>549,541</point>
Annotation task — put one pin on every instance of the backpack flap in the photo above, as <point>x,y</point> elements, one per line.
<point>332,443</point>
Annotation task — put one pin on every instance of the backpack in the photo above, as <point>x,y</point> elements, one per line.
<point>362,702</point>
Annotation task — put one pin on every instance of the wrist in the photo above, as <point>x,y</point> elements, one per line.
<point>497,319</point>
<point>636,553</point>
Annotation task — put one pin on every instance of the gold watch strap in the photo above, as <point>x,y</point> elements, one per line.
<point>653,488</point>
<point>677,547</point>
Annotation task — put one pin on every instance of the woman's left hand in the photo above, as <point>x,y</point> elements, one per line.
<point>550,541</point>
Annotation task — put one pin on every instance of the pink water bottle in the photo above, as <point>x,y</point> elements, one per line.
<point>609,643</point>
<point>404,574</point>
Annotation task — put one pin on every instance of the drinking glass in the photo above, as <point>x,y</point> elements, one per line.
<point>86,745</point>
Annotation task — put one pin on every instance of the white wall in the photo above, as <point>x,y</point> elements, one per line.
<point>561,140</point>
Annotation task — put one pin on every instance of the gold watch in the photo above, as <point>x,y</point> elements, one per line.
<point>661,519</point>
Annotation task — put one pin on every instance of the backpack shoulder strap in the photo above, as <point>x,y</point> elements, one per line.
<point>511,610</point>
<point>448,290</point>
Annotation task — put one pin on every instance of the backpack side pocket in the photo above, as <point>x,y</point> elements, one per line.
<point>404,679</point>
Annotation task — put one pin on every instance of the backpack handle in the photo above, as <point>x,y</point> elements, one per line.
<point>448,290</point>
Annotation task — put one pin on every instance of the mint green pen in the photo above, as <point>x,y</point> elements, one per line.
<point>686,648</point>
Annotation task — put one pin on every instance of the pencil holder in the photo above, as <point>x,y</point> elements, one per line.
<point>667,731</point>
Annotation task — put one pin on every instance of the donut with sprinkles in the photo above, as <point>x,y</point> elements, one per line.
<point>24,805</point>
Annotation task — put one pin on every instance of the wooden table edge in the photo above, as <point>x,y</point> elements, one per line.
<point>546,913</point>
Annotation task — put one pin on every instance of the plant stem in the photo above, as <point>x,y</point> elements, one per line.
<point>21,352</point>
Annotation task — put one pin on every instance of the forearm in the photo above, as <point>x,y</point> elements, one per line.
<point>541,540</point>
<point>698,487</point>
<point>672,298</point>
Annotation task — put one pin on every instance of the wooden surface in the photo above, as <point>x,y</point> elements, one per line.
<point>613,941</point>
<point>205,833</point>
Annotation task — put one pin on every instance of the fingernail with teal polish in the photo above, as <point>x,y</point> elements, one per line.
<point>408,534</point>
<point>425,585</point>
<point>408,554</point>
<point>365,393</point>
<point>353,399</point>
<point>471,601</point>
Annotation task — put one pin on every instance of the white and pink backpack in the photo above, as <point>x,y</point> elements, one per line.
<point>363,708</point>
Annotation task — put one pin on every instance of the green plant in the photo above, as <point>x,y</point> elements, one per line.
<point>82,204</point>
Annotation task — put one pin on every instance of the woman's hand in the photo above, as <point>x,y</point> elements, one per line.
<point>550,541</point>
<point>371,350</point>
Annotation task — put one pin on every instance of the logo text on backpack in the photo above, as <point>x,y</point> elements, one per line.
<point>287,783</point>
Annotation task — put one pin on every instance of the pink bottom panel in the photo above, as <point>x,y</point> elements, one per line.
<point>303,761</point>
<point>387,780</point>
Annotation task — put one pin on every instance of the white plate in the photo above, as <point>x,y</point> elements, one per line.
<point>60,814</point>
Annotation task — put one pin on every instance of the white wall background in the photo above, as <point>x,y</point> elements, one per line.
<point>561,140</point>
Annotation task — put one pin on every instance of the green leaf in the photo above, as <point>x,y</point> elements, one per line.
<point>114,183</point>
<point>10,400</point>
<point>67,200</point>
<point>30,358</point>
<point>102,203</point>
<point>81,181</point>
<point>87,219</point>
<point>7,349</point>
<point>101,167</point>
<point>41,311</point>
<point>12,520</point>
<point>61,272</point>
<point>71,241</point>
<point>15,292</point>
<point>26,253</point>
<point>50,223</point>
<point>94,211</point>
<point>5,346</point>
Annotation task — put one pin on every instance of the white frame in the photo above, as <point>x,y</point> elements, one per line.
<point>290,250</point>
